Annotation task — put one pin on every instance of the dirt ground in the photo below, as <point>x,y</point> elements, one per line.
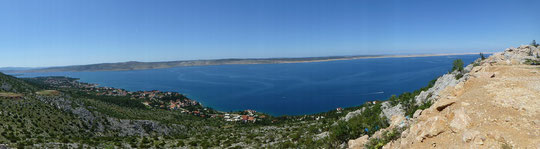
<point>497,107</point>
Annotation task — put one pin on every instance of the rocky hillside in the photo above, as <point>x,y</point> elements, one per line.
<point>50,113</point>
<point>494,105</point>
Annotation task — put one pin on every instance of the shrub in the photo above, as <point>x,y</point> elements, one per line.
<point>506,146</point>
<point>458,76</point>
<point>387,136</point>
<point>367,123</point>
<point>457,65</point>
<point>533,43</point>
<point>482,56</point>
<point>532,62</point>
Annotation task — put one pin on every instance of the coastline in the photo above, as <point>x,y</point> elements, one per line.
<point>384,68</point>
<point>133,65</point>
<point>390,56</point>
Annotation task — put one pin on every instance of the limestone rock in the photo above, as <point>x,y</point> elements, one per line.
<point>417,113</point>
<point>441,105</point>
<point>496,105</point>
<point>353,114</point>
<point>398,121</point>
<point>521,54</point>
<point>432,127</point>
<point>479,140</point>
<point>461,120</point>
<point>358,143</point>
<point>388,111</point>
<point>468,136</point>
<point>432,94</point>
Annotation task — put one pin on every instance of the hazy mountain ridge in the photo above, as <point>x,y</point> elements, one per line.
<point>134,65</point>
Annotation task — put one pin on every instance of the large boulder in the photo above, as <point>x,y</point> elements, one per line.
<point>432,127</point>
<point>460,121</point>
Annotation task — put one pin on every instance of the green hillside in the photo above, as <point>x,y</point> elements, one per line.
<point>52,116</point>
<point>62,112</point>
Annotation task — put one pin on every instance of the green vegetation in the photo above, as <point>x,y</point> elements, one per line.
<point>30,121</point>
<point>457,65</point>
<point>532,62</point>
<point>533,43</point>
<point>370,120</point>
<point>367,123</point>
<point>482,57</point>
<point>387,136</point>
<point>506,146</point>
<point>52,114</point>
<point>11,84</point>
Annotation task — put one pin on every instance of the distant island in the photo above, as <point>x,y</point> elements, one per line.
<point>134,65</point>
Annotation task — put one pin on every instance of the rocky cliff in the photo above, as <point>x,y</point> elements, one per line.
<point>496,104</point>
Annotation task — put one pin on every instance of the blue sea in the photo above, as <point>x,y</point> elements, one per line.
<point>282,89</point>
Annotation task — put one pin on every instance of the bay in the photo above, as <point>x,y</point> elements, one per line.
<point>282,89</point>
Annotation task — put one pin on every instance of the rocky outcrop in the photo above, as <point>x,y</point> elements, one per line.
<point>139,127</point>
<point>493,104</point>
<point>353,114</point>
<point>390,111</point>
<point>358,143</point>
<point>432,94</point>
<point>496,106</point>
<point>515,55</point>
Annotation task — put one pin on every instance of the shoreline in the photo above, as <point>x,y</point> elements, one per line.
<point>390,56</point>
<point>128,66</point>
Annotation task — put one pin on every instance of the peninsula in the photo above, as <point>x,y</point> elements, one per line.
<point>135,65</point>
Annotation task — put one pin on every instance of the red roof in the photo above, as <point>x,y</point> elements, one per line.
<point>244,117</point>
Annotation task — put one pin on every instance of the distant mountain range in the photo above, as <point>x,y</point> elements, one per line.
<point>134,65</point>
<point>15,68</point>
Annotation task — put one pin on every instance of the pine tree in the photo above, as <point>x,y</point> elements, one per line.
<point>482,56</point>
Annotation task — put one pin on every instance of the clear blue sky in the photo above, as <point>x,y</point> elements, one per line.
<point>69,32</point>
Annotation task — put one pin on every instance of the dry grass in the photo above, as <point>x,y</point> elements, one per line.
<point>10,95</point>
<point>48,93</point>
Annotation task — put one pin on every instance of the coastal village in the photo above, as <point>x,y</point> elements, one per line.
<point>158,99</point>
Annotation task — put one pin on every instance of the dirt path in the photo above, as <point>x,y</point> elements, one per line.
<point>497,107</point>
